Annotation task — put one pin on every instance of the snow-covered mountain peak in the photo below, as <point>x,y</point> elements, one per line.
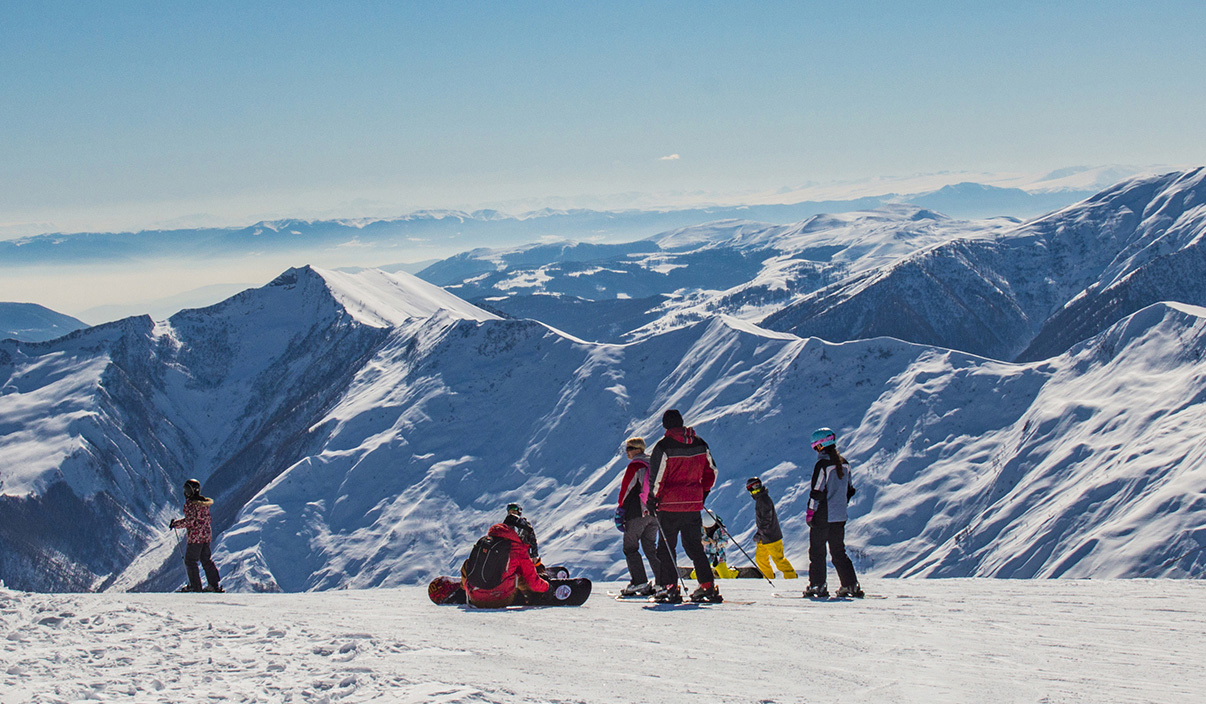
<point>744,326</point>
<point>707,234</point>
<point>873,238</point>
<point>885,214</point>
<point>1168,196</point>
<point>381,299</point>
<point>1170,331</point>
<point>1127,227</point>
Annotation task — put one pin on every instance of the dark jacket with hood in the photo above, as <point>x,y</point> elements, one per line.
<point>766,518</point>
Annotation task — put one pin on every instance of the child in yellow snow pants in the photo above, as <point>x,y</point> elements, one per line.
<point>765,552</point>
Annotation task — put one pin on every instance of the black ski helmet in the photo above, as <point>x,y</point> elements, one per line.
<point>192,488</point>
<point>753,484</point>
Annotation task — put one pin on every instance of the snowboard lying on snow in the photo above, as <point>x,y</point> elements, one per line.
<point>562,592</point>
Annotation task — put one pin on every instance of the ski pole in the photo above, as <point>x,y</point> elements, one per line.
<point>738,544</point>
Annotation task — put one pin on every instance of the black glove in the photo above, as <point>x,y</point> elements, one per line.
<point>652,503</point>
<point>850,491</point>
<point>706,492</point>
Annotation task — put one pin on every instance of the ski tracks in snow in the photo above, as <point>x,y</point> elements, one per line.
<point>71,648</point>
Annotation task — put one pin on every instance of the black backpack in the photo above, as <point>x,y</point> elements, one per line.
<point>488,562</point>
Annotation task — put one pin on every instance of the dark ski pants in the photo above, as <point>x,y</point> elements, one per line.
<point>200,552</point>
<point>832,535</point>
<point>640,533</point>
<point>689,524</point>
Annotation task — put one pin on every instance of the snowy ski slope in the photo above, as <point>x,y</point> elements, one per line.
<point>929,641</point>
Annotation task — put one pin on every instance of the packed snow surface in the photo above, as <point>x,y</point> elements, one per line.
<point>926,641</point>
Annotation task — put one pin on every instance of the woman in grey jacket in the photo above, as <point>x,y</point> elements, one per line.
<point>826,517</point>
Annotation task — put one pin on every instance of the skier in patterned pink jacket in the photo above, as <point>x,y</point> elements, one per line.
<point>196,522</point>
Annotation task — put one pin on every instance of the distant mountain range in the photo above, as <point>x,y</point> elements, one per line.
<point>997,288</point>
<point>1033,291</point>
<point>453,228</point>
<point>30,322</point>
<point>361,429</point>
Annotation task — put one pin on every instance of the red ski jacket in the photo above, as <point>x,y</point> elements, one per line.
<point>684,471</point>
<point>636,474</point>
<point>519,576</point>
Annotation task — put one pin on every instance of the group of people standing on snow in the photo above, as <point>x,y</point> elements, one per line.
<point>662,495</point>
<point>661,501</point>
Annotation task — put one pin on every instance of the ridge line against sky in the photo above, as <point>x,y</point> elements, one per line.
<point>137,114</point>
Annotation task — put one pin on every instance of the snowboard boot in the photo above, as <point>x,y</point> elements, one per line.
<point>852,592</point>
<point>668,595</point>
<point>819,591</point>
<point>707,593</point>
<point>214,588</point>
<point>642,589</point>
<point>189,588</point>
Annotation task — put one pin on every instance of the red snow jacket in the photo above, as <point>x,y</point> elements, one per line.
<point>684,471</point>
<point>519,576</point>
<point>634,488</point>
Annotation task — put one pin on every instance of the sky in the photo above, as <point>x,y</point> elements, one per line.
<point>130,115</point>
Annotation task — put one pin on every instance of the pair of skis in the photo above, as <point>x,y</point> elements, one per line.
<point>650,601</point>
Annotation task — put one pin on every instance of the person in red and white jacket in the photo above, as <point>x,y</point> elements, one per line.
<point>520,577</point>
<point>684,473</point>
<point>196,521</point>
<point>636,520</point>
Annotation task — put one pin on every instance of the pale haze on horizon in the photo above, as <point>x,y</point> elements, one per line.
<point>131,116</point>
<point>134,115</point>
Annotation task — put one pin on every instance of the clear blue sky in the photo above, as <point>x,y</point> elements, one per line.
<point>146,112</point>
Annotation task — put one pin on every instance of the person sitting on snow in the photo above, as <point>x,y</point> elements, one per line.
<point>520,575</point>
<point>715,543</point>
<point>527,534</point>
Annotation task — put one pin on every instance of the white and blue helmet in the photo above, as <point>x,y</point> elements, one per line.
<point>823,438</point>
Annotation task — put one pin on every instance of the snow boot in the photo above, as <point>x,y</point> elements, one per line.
<point>642,589</point>
<point>853,592</point>
<point>707,593</point>
<point>816,592</point>
<point>668,595</point>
